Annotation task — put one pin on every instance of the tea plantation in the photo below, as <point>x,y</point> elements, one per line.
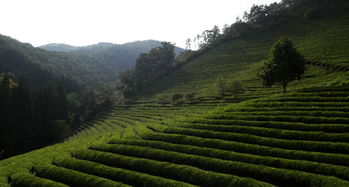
<point>192,128</point>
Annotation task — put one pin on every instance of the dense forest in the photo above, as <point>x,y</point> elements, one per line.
<point>33,117</point>
<point>47,95</point>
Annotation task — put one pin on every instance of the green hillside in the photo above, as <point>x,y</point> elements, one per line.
<point>191,128</point>
<point>92,66</point>
<point>324,41</point>
<point>279,140</point>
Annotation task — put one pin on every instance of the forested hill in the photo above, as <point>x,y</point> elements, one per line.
<point>104,47</point>
<point>58,47</point>
<point>92,65</point>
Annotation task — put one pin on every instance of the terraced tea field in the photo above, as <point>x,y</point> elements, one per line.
<point>324,42</point>
<point>297,139</point>
<point>213,137</point>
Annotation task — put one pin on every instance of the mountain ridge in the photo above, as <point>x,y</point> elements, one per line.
<point>91,66</point>
<point>62,47</point>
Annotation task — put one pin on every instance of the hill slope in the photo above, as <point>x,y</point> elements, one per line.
<point>214,139</point>
<point>157,145</point>
<point>92,65</point>
<point>58,47</point>
<point>323,41</point>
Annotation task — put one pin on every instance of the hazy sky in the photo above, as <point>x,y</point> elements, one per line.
<point>84,22</point>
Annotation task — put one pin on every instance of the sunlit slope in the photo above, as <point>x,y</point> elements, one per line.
<point>325,42</point>
<point>297,139</point>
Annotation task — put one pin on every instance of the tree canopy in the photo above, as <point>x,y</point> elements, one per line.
<point>149,67</point>
<point>285,64</point>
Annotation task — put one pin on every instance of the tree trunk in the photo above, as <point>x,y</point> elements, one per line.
<point>284,85</point>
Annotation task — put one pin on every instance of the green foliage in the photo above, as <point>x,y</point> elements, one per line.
<point>149,67</point>
<point>279,125</point>
<point>127,83</point>
<point>271,175</point>
<point>266,17</point>
<point>176,97</point>
<point>312,13</point>
<point>220,88</point>
<point>260,141</point>
<point>90,66</point>
<point>180,172</point>
<point>237,88</point>
<point>25,179</point>
<point>272,132</point>
<point>257,14</point>
<point>159,146</point>
<point>240,60</point>
<point>315,146</point>
<point>73,178</point>
<point>59,129</point>
<point>285,64</point>
<point>118,174</point>
<point>183,57</point>
<point>189,97</point>
<point>286,118</point>
<point>330,158</point>
<point>338,82</point>
<point>30,118</point>
<point>36,117</point>
<point>320,168</point>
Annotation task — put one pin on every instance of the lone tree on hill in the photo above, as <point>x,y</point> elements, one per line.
<point>285,64</point>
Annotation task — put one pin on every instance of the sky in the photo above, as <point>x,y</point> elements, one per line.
<point>85,22</point>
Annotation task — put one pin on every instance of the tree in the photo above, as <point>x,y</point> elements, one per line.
<point>257,14</point>
<point>198,38</point>
<point>226,27</point>
<point>285,64</point>
<point>149,67</point>
<point>188,44</point>
<point>237,88</point>
<point>209,36</point>
<point>215,32</point>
